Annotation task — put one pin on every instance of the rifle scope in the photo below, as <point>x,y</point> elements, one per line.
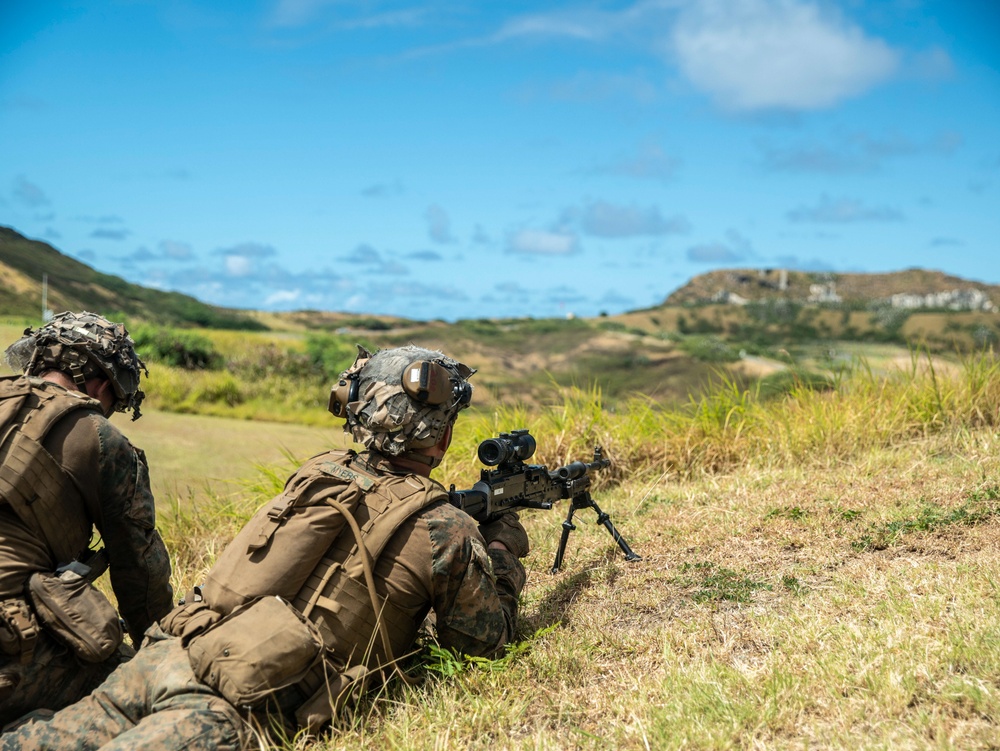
<point>518,444</point>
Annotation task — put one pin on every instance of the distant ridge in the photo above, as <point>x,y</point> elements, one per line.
<point>73,285</point>
<point>912,288</point>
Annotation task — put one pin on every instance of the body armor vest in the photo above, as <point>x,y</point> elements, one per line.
<point>303,547</point>
<point>31,480</point>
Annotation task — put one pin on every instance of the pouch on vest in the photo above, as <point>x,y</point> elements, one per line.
<point>76,613</point>
<point>255,651</point>
<point>188,620</point>
<point>279,547</point>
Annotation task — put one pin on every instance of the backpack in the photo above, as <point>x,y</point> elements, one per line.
<point>314,548</point>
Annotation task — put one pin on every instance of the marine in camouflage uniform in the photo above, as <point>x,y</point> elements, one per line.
<point>434,559</point>
<point>79,472</point>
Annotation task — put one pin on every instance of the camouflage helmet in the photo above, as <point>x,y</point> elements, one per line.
<point>83,345</point>
<point>401,399</point>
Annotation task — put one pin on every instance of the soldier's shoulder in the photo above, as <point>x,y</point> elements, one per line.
<point>443,514</point>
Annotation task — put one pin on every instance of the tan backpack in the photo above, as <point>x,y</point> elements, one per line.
<point>312,549</point>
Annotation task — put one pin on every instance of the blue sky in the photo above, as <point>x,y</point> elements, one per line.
<point>462,160</point>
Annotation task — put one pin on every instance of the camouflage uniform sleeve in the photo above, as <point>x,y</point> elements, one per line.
<point>474,592</point>
<point>126,519</point>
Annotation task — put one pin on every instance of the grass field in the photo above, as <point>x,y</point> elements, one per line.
<point>836,608</point>
<point>820,568</point>
<point>818,572</point>
<point>194,454</point>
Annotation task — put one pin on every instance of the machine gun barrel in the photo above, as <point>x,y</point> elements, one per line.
<point>575,470</point>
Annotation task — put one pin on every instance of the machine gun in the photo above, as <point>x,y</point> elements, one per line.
<point>514,484</point>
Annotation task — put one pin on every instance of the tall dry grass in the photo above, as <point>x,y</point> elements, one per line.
<point>819,571</point>
<point>730,428</point>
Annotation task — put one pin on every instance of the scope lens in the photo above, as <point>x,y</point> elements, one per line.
<point>493,451</point>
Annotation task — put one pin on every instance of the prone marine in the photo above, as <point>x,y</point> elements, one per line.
<point>324,590</point>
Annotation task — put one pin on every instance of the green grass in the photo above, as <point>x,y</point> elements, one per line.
<point>820,566</point>
<point>755,619</point>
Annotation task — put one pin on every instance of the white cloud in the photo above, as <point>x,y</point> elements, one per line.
<point>542,242</point>
<point>241,260</point>
<point>239,265</point>
<point>282,297</point>
<point>783,54</point>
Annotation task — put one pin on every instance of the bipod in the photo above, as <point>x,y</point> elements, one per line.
<point>582,501</point>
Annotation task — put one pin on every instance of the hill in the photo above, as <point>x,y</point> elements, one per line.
<point>913,288</point>
<point>73,285</point>
<point>745,325</point>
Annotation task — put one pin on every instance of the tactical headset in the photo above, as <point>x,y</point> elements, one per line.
<point>424,381</point>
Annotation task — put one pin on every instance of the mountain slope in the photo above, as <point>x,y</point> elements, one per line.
<point>852,290</point>
<point>75,286</point>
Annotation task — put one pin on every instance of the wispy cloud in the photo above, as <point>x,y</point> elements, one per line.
<point>842,211</point>
<point>947,242</point>
<point>169,251</point>
<point>542,242</point>
<point>175,251</point>
<point>29,193</point>
<point>373,262</point>
<point>242,260</point>
<point>108,233</point>
<point>854,153</point>
<point>650,162</point>
<point>605,219</point>
<point>383,189</point>
<point>292,14</point>
<point>438,224</point>
<point>425,255</point>
<point>736,248</point>
<point>363,255</point>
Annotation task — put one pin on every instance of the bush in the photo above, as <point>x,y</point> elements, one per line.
<point>268,361</point>
<point>330,354</point>
<point>784,382</point>
<point>709,349</point>
<point>182,349</point>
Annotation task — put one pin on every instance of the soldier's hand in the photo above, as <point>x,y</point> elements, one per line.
<point>508,531</point>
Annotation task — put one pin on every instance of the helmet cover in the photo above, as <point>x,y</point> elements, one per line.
<point>83,345</point>
<point>389,418</point>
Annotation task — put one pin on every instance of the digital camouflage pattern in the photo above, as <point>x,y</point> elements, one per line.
<point>476,589</point>
<point>384,418</point>
<point>153,702</point>
<point>54,678</point>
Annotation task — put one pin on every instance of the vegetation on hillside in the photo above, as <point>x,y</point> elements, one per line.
<point>75,286</point>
